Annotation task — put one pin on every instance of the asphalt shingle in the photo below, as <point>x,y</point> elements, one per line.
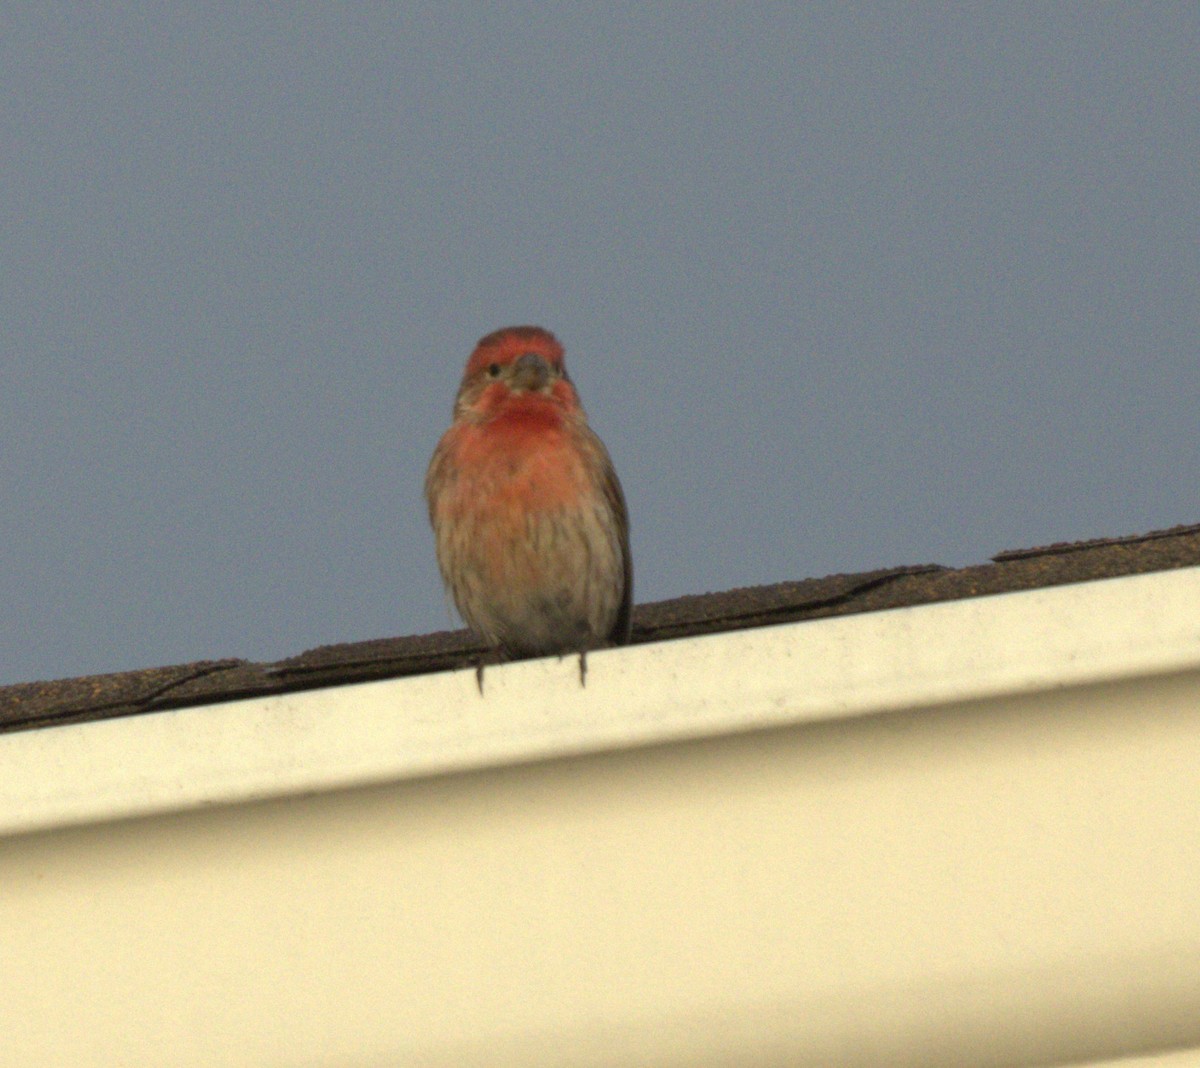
<point>42,704</point>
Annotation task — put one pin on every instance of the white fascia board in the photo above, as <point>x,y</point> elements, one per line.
<point>392,730</point>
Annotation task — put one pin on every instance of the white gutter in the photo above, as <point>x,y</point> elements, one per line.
<point>959,834</point>
<point>394,730</point>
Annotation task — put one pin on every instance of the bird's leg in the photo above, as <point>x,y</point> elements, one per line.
<point>582,667</point>
<point>488,656</point>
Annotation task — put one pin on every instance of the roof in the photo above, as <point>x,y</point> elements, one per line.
<point>40,704</point>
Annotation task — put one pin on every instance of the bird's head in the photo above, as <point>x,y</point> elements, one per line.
<point>517,368</point>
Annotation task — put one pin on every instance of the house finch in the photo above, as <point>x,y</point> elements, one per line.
<point>529,518</point>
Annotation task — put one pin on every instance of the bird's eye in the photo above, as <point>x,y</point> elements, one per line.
<point>494,370</point>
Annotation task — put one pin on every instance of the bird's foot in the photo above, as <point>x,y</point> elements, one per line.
<point>487,657</point>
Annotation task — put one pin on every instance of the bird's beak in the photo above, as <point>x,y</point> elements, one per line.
<point>530,372</point>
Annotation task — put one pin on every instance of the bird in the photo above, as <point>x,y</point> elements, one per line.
<point>529,518</point>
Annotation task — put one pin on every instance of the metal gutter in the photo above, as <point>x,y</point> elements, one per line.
<point>399,729</point>
<point>964,833</point>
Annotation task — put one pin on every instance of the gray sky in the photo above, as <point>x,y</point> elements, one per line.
<point>842,287</point>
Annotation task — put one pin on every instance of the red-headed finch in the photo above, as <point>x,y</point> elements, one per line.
<point>529,518</point>
<point>528,515</point>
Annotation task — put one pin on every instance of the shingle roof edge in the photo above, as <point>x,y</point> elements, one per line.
<point>38,704</point>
